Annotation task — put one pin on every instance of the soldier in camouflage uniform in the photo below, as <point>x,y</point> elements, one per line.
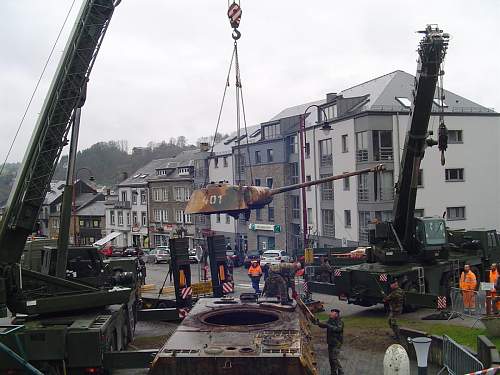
<point>395,299</point>
<point>275,285</point>
<point>334,338</point>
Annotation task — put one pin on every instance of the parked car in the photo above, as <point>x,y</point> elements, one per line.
<point>107,251</point>
<point>275,257</point>
<point>158,255</point>
<point>192,256</point>
<point>117,251</point>
<point>251,255</point>
<point>132,252</point>
<point>237,257</point>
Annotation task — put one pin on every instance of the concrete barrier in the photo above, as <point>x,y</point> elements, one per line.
<point>487,352</point>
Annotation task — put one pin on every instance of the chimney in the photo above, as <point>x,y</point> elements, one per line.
<point>124,175</point>
<point>204,147</point>
<point>330,97</point>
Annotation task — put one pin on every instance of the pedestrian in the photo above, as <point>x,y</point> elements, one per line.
<point>493,276</point>
<point>325,271</point>
<point>395,299</point>
<point>275,286</point>
<point>468,283</point>
<point>265,270</point>
<point>334,338</point>
<point>255,273</point>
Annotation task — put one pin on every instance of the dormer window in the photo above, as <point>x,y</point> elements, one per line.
<point>405,102</point>
<point>161,172</point>
<point>331,112</point>
<point>184,171</point>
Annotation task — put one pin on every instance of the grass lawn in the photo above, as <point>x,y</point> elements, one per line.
<point>462,335</point>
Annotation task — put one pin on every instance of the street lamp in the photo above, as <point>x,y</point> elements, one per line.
<point>91,178</point>
<point>324,126</point>
<point>422,345</point>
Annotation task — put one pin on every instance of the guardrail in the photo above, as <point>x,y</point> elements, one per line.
<point>457,360</point>
<point>471,303</point>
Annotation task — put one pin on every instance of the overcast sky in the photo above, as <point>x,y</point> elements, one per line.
<point>161,70</point>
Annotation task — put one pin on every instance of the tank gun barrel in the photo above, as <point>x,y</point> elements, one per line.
<point>284,189</point>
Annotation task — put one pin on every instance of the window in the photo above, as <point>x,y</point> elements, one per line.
<point>134,197</point>
<point>157,216</point>
<point>179,193</point>
<point>216,162</point>
<point>200,219</point>
<point>295,206</point>
<point>405,102</point>
<point>258,158</point>
<point>134,218</point>
<point>347,218</point>
<point>224,161</point>
<point>112,217</point>
<point>124,196</point>
<point>55,223</point>
<point>270,213</point>
<point>328,223</point>
<point>144,219</point>
<point>383,184</point>
<point>345,146</point>
<point>270,156</point>
<point>269,182</point>
<point>362,146</point>
<point>454,174</point>
<point>179,216</point>
<point>294,173</point>
<point>257,182</point>
<point>186,171</point>
<point>164,216</point>
<point>240,164</point>
<point>271,131</point>
<point>188,218</point>
<point>187,194</point>
<point>156,195</point>
<point>96,223</point>
<point>347,183</point>
<point>217,218</point>
<point>308,150</point>
<point>128,218</point>
<point>419,212</point>
<point>310,219</point>
<point>382,145</point>
<point>455,213</point>
<point>120,217</point>
<point>164,194</point>
<point>308,179</point>
<point>363,187</point>
<point>331,112</point>
<point>364,220</point>
<point>81,223</point>
<point>143,196</point>
<point>325,152</point>
<point>293,146</point>
<point>326,189</point>
<point>455,136</point>
<point>258,214</point>
<point>228,219</point>
<point>161,172</point>
<point>420,178</point>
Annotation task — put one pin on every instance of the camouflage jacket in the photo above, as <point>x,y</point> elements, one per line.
<point>334,332</point>
<point>395,299</point>
<point>275,286</point>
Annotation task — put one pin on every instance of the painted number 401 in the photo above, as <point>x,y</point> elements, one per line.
<point>214,199</point>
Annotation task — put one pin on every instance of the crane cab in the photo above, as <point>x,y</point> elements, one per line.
<point>431,238</point>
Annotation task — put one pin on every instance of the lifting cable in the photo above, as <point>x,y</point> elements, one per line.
<point>36,87</point>
<point>234,13</point>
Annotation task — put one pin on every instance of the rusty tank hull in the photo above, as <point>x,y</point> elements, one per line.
<point>221,337</point>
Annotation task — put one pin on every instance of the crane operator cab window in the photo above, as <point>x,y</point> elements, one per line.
<point>431,232</point>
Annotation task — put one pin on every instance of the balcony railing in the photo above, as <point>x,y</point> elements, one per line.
<point>326,160</point>
<point>384,153</point>
<point>362,155</point>
<point>386,194</point>
<point>362,194</point>
<point>122,204</point>
<point>329,230</point>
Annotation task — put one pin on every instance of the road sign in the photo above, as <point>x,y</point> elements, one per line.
<point>277,228</point>
<point>309,255</point>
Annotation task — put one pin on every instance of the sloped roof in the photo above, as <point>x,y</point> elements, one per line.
<point>299,110</point>
<point>96,208</point>
<point>139,177</point>
<point>225,146</point>
<point>54,192</point>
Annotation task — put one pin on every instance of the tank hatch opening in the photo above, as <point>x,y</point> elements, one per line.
<point>245,317</point>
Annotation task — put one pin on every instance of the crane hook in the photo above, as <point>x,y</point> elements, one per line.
<point>236,34</point>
